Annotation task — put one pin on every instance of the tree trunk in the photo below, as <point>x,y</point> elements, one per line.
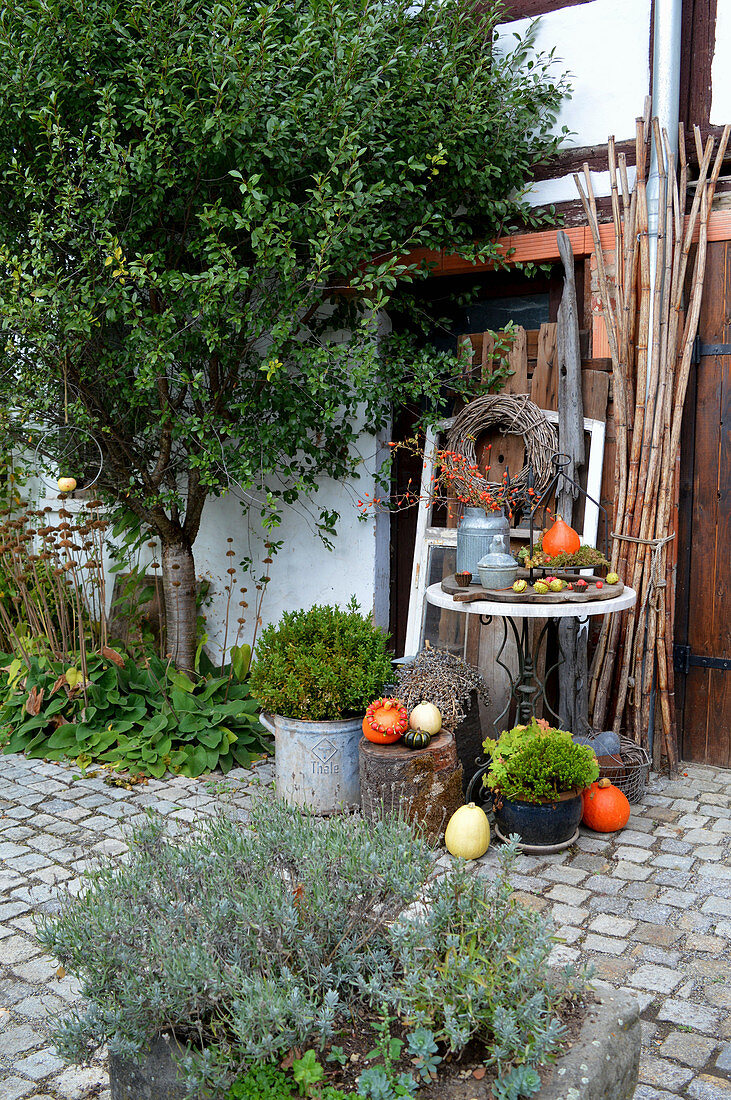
<point>424,784</point>
<point>179,588</point>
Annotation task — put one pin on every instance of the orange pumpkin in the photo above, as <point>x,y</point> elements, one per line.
<point>560,539</point>
<point>606,809</point>
<point>385,721</point>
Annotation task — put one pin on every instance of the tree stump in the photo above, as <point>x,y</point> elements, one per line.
<point>425,785</point>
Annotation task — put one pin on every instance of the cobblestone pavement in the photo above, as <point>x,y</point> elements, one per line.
<point>52,823</point>
<point>650,907</point>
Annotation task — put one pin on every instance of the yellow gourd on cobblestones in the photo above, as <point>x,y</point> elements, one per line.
<point>468,832</point>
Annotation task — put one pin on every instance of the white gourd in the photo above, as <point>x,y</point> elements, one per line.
<point>468,832</point>
<point>427,717</point>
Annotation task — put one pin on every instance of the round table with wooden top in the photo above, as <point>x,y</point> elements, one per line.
<point>526,688</point>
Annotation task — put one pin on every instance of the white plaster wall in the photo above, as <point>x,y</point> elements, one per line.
<point>304,572</point>
<point>563,188</point>
<point>605,48</point>
<point>721,70</point>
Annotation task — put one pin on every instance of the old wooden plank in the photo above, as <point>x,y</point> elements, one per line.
<point>496,640</point>
<point>528,9</point>
<point>544,388</point>
<point>485,359</point>
<point>518,364</point>
<point>586,318</point>
<point>595,393</point>
<point>608,472</point>
<point>699,739</point>
<point>698,41</point>
<point>568,369</point>
<point>595,363</point>
<point>684,529</point>
<point>719,716</point>
<point>503,453</point>
<point>572,672</point>
<point>572,160</point>
<point>487,363</point>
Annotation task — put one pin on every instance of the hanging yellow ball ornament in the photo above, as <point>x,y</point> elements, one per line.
<point>66,484</point>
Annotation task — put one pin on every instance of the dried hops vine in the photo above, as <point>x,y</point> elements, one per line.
<point>443,679</point>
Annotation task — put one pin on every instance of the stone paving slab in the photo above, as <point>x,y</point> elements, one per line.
<point>613,899</point>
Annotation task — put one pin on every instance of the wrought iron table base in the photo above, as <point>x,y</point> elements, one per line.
<point>527,687</point>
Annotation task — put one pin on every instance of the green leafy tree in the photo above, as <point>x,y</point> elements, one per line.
<point>203,209</point>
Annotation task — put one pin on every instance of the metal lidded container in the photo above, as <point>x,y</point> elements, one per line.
<point>498,569</point>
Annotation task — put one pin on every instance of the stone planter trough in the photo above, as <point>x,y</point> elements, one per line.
<point>602,1064</point>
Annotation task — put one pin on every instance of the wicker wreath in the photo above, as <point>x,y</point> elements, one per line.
<point>514,414</point>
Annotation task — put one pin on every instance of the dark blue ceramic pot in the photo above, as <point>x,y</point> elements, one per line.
<point>539,823</point>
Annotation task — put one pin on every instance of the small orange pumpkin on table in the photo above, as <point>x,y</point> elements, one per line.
<point>385,721</point>
<point>560,539</point>
<point>606,808</point>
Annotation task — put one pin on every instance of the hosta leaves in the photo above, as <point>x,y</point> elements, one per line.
<point>241,661</point>
<point>34,701</point>
<point>196,762</point>
<point>149,719</point>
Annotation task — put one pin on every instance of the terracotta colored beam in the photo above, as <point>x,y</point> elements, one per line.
<point>542,247</point>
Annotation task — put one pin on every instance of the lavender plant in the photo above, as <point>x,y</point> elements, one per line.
<point>471,964</point>
<point>245,943</point>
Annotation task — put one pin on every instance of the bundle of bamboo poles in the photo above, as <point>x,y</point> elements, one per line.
<point>650,331</point>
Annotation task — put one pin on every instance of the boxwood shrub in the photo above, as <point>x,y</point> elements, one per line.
<point>320,664</point>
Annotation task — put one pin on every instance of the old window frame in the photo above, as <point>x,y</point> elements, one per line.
<point>428,536</point>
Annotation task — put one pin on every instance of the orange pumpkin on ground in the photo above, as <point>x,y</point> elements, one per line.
<point>385,721</point>
<point>606,809</point>
<point>560,539</point>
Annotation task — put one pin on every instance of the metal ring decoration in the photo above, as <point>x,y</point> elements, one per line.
<point>68,453</point>
<point>514,414</point>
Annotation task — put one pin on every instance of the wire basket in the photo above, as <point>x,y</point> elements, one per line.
<point>631,772</point>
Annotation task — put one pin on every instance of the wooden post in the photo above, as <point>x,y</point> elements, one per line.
<point>573,670</point>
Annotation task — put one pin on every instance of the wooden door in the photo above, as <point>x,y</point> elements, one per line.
<point>703,624</point>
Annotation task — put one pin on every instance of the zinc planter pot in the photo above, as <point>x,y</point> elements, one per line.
<point>540,825</point>
<point>601,1064</point>
<point>475,535</point>
<point>316,763</point>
